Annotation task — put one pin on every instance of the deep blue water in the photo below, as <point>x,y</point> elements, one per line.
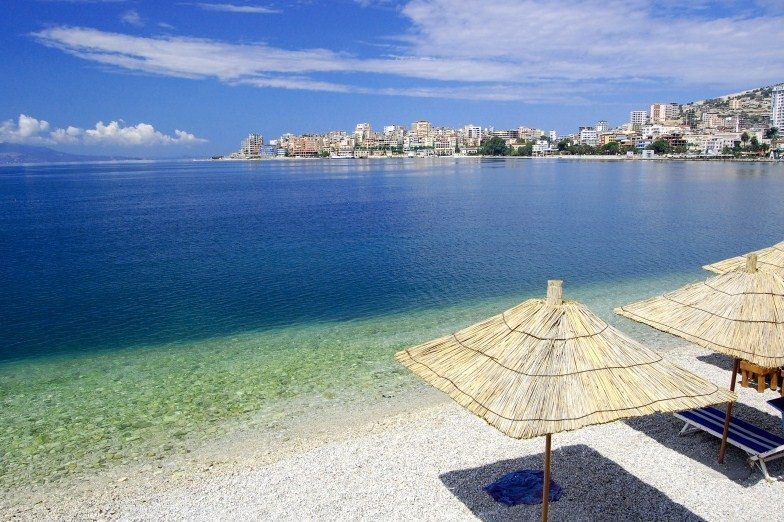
<point>96,257</point>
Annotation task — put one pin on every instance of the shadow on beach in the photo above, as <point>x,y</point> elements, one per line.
<point>594,487</point>
<point>704,448</point>
<point>720,361</point>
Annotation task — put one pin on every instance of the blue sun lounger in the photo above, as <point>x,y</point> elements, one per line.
<point>761,446</point>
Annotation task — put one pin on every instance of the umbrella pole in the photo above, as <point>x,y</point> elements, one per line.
<point>723,450</point>
<point>546,483</point>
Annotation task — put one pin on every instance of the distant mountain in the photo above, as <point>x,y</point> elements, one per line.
<point>14,154</point>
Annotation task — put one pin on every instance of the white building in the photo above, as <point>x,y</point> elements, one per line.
<point>553,136</point>
<point>543,147</point>
<point>394,129</point>
<point>711,144</point>
<point>472,132</point>
<point>602,126</point>
<point>777,107</point>
<point>589,136</point>
<point>251,145</point>
<point>638,117</point>
<point>362,132</point>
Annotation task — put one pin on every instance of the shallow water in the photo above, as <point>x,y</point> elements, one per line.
<point>144,305</point>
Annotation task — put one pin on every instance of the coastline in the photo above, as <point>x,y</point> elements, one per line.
<point>419,455</point>
<point>480,157</point>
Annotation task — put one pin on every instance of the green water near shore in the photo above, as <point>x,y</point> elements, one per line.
<point>68,416</point>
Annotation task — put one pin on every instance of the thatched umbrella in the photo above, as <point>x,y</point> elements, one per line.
<point>739,313</point>
<point>769,259</point>
<point>549,365</point>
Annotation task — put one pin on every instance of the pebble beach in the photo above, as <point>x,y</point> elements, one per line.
<point>418,455</point>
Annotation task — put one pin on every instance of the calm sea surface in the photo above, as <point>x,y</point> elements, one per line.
<point>143,303</point>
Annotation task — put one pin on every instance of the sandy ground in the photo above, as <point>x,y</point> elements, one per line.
<point>420,456</point>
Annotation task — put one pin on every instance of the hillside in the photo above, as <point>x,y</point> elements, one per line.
<point>14,154</point>
<point>749,108</point>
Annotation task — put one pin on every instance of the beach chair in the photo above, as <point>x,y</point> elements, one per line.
<point>761,446</point>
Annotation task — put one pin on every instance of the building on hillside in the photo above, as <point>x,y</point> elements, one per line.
<point>553,136</point>
<point>472,132</point>
<point>422,128</point>
<point>777,107</point>
<point>507,134</point>
<point>602,126</point>
<point>363,132</point>
<point>661,112</point>
<point>711,120</point>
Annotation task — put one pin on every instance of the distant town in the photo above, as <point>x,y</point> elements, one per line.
<point>741,125</point>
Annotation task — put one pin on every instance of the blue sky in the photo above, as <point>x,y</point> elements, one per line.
<point>161,78</point>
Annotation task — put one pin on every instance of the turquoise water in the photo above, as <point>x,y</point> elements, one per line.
<point>144,306</point>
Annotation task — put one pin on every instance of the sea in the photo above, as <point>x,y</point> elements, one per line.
<point>146,306</point>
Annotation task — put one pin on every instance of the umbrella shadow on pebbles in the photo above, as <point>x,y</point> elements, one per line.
<point>718,360</point>
<point>703,448</point>
<point>594,487</point>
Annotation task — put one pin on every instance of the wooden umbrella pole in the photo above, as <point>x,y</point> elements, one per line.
<point>546,483</point>
<point>725,434</point>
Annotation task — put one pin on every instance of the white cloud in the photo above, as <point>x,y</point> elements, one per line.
<point>132,17</point>
<point>29,130</point>
<point>24,129</point>
<point>502,50</point>
<point>234,8</point>
<point>114,133</point>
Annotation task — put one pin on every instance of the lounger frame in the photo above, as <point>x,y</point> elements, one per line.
<point>761,446</point>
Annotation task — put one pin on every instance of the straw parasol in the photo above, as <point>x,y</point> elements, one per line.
<point>769,259</point>
<point>739,313</point>
<point>549,365</point>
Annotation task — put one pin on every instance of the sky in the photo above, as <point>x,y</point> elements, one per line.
<point>169,78</point>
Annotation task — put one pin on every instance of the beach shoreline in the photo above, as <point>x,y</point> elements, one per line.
<point>419,455</point>
<point>573,157</point>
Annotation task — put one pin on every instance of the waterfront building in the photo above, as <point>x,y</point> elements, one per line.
<point>602,126</point>
<point>443,145</point>
<point>268,151</point>
<point>777,107</point>
<point>606,138</point>
<point>589,136</point>
<point>638,118</point>
<point>710,144</point>
<point>543,148</point>
<point>553,136</point>
<point>249,147</point>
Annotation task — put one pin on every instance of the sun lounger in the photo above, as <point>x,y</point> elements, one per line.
<point>761,446</point>
<point>779,405</point>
